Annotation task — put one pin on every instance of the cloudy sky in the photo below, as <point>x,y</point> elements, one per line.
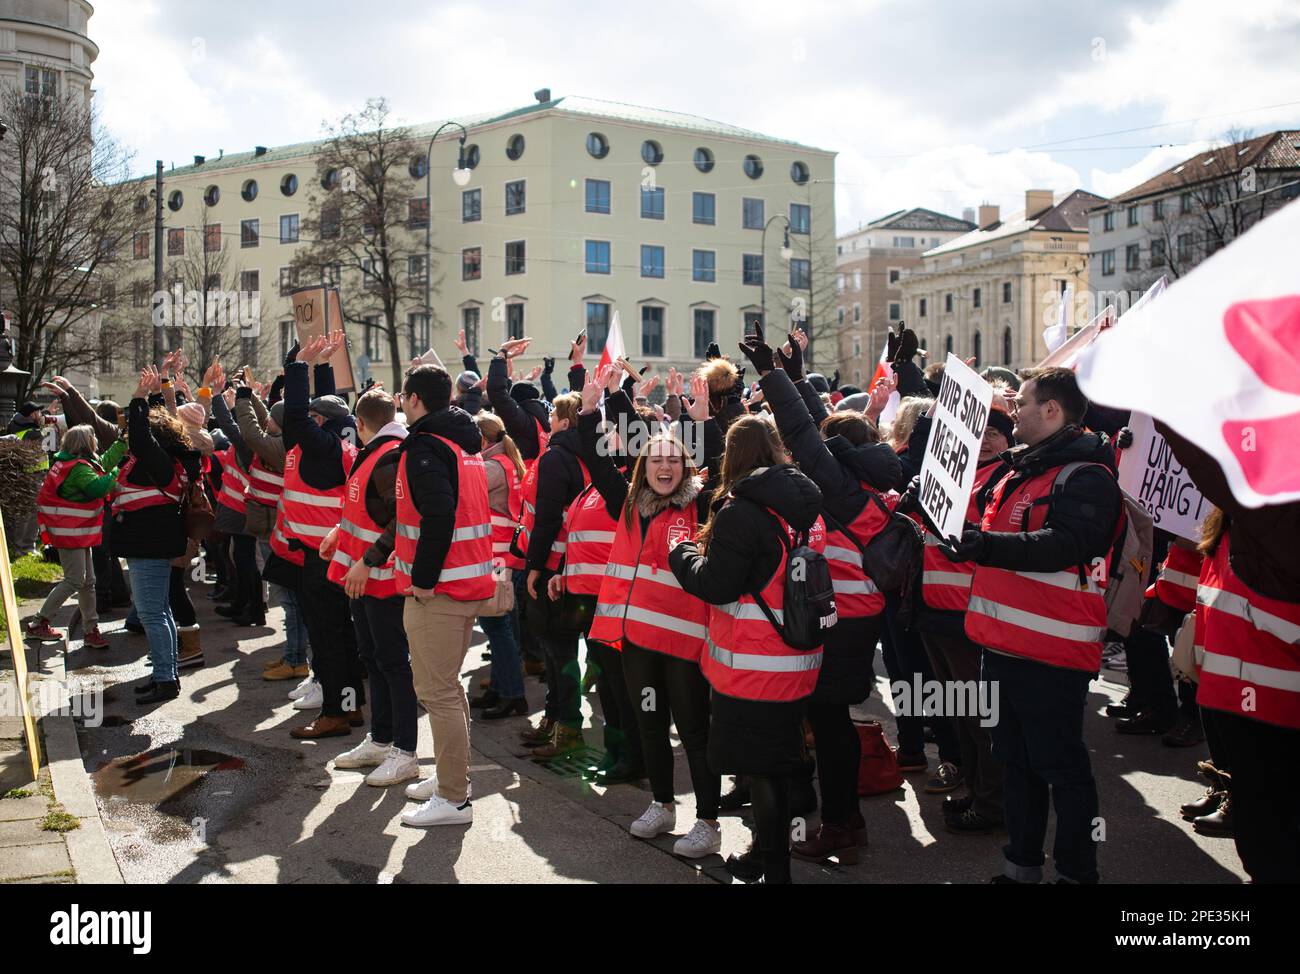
<point>938,103</point>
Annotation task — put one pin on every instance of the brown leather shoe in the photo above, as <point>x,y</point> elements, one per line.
<point>564,741</point>
<point>540,734</point>
<point>534,667</point>
<point>356,718</point>
<point>322,726</point>
<point>829,840</point>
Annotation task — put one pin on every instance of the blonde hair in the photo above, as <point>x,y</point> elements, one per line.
<point>79,441</point>
<point>909,411</point>
<point>568,407</point>
<point>377,408</point>
<point>493,430</point>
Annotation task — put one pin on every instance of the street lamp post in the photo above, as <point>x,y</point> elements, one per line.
<point>786,253</point>
<point>461,176</point>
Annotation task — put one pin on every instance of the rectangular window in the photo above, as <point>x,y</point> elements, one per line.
<point>1184,204</point>
<point>800,218</point>
<point>947,303</point>
<point>415,271</point>
<point>597,324</point>
<point>703,266</point>
<point>857,313</point>
<point>1108,220</point>
<point>140,246</point>
<point>1132,216</point>
<point>652,261</point>
<point>1157,253</point>
<point>417,213</point>
<point>331,275</point>
<point>752,319</point>
<point>597,195</point>
<point>331,223</point>
<point>289,228</point>
<point>250,282</point>
<point>288,279</point>
<point>515,197</point>
<point>1184,247</point>
<point>1132,257</point>
<point>1006,292</point>
<point>176,243</point>
<point>1108,262</point>
<point>652,331</point>
<point>704,208</point>
<point>922,308</point>
<point>469,322</point>
<point>515,257</point>
<point>471,263</point>
<point>704,331</point>
<point>751,213</point>
<point>515,320</point>
<point>597,256</point>
<point>41,81</point>
<point>417,327</point>
<point>1158,210</point>
<point>375,340</point>
<point>212,238</point>
<point>471,205</point>
<point>751,269</point>
<point>976,298</point>
<point>895,275</point>
<point>140,294</point>
<point>652,203</point>
<point>249,233</point>
<point>895,311</point>
<point>108,298</point>
<point>287,337</point>
<point>800,273</point>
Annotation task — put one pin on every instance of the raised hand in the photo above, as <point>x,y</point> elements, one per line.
<point>758,351</point>
<point>311,352</point>
<point>461,345</point>
<point>613,377</point>
<point>514,347</point>
<point>675,384</point>
<point>697,407</point>
<point>791,356</point>
<point>648,386</point>
<point>533,373</point>
<point>578,348</point>
<point>592,388</point>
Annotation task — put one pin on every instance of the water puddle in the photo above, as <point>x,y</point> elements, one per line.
<point>160,775</point>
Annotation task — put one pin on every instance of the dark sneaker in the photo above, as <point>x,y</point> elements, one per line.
<point>1146,722</point>
<point>1186,733</point>
<point>952,805</point>
<point>946,778</point>
<point>971,822</point>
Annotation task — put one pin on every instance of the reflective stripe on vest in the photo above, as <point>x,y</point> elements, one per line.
<point>309,513</point>
<point>588,537</point>
<point>504,522</point>
<point>129,497</point>
<point>358,531</point>
<point>856,596</point>
<point>280,542</point>
<point>1176,581</point>
<point>1251,663</point>
<point>68,523</point>
<point>1057,618</point>
<point>466,571</point>
<point>264,486</point>
<point>234,482</point>
<point>945,584</point>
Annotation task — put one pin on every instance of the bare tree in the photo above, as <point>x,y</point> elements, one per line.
<point>68,219</point>
<point>367,199</point>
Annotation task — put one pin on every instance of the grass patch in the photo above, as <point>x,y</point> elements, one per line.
<point>57,820</point>
<point>33,578</point>
<point>17,793</point>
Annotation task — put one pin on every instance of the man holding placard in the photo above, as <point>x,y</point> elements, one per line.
<point>1037,606</point>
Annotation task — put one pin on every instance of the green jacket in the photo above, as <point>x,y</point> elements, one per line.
<point>36,434</point>
<point>83,484</point>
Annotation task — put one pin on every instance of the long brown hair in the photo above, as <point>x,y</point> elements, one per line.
<point>1212,529</point>
<point>169,431</point>
<point>640,479</point>
<point>493,430</point>
<point>752,442</point>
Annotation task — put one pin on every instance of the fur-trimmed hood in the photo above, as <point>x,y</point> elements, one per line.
<point>649,504</point>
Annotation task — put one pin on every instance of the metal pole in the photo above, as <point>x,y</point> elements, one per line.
<point>428,219</point>
<point>762,299</point>
<point>159,335</point>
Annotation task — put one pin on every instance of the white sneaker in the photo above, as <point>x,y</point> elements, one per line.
<point>439,811</point>
<point>422,791</point>
<point>702,840</point>
<point>367,754</point>
<point>655,820</point>
<point>397,767</point>
<point>303,687</point>
<point>313,699</point>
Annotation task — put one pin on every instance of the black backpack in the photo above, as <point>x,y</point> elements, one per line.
<point>809,595</point>
<point>890,559</point>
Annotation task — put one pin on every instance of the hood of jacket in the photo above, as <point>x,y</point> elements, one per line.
<point>337,427</point>
<point>567,440</point>
<point>452,423</point>
<point>873,463</point>
<point>648,503</point>
<point>1072,444</point>
<point>537,409</point>
<point>785,490</point>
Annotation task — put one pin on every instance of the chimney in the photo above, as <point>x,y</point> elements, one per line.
<point>989,214</point>
<point>259,150</point>
<point>968,214</point>
<point>198,160</point>
<point>542,95</point>
<point>1037,201</point>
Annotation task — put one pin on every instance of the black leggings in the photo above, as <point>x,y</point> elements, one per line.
<point>839,754</point>
<point>666,690</point>
<point>179,597</point>
<point>770,798</point>
<point>622,738</point>
<point>247,578</point>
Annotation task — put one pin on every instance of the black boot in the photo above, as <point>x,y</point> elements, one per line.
<point>803,797</point>
<point>737,798</point>
<point>518,707</point>
<point>746,867</point>
<point>489,698</point>
<point>162,691</point>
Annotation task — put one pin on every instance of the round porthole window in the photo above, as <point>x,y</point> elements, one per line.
<point>753,166</point>
<point>799,172</point>
<point>289,184</point>
<point>212,196</point>
<point>703,160</point>
<point>176,200</point>
<point>652,152</point>
<point>419,167</point>
<point>515,147</point>
<point>249,190</point>
<point>471,157</point>
<point>597,145</point>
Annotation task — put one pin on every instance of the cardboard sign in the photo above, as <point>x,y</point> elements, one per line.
<point>317,310</point>
<point>953,450</point>
<point>1151,474</point>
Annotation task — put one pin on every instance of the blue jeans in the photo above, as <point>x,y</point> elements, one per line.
<point>150,585</point>
<point>507,667</point>
<point>296,642</point>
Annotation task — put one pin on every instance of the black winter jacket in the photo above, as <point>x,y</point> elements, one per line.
<point>521,420</point>
<point>322,463</point>
<point>151,532</point>
<point>559,481</point>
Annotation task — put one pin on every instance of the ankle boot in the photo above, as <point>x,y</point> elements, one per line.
<point>518,707</point>
<point>737,798</point>
<point>829,840</point>
<point>162,691</point>
<point>539,735</point>
<point>565,741</point>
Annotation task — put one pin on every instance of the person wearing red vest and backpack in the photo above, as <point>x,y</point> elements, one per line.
<point>319,437</point>
<point>443,548</point>
<point>760,684</point>
<point>1037,606</point>
<point>362,561</point>
<point>70,514</point>
<point>852,469</point>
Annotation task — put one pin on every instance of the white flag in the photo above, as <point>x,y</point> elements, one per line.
<point>1054,336</point>
<point>1217,358</point>
<point>613,350</point>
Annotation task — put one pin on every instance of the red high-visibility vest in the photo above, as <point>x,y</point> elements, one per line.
<point>528,500</point>
<point>945,584</point>
<point>1176,581</point>
<point>310,513</point>
<point>280,541</point>
<point>528,517</point>
<point>264,484</point>
<point>856,596</point>
<point>1058,618</point>
<point>640,599</point>
<point>358,531</point>
<point>234,482</point>
<point>133,497</point>
<point>588,536</point>
<point>503,522</point>
<point>746,657</point>
<point>466,574</point>
<point>66,523</point>
<point>1251,643</point>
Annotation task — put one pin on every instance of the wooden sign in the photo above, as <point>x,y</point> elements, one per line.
<point>318,311</point>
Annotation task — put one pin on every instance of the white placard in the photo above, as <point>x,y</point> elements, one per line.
<point>953,450</point>
<point>1152,475</point>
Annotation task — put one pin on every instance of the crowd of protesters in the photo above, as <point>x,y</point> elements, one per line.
<point>651,552</point>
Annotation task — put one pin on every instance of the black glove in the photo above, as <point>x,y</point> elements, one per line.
<point>758,351</point>
<point>712,351</point>
<point>910,501</point>
<point>792,363</point>
<point>548,366</point>
<point>835,380</point>
<point>292,356</point>
<point>970,548</point>
<point>1124,438</point>
<point>370,383</point>
<point>901,347</point>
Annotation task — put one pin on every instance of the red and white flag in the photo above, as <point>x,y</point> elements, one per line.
<point>883,371</point>
<point>1054,336</point>
<point>1217,358</point>
<point>613,350</point>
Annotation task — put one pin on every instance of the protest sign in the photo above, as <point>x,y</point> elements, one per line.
<point>1066,354</point>
<point>316,311</point>
<point>952,452</point>
<point>1151,474</point>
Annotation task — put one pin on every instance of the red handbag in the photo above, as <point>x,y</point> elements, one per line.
<point>878,770</point>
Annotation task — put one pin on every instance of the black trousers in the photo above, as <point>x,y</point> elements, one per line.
<point>563,679</point>
<point>218,549</point>
<point>247,578</point>
<point>665,690</point>
<point>1150,680</point>
<point>839,756</point>
<point>622,737</point>
<point>770,801</point>
<point>906,660</point>
<point>110,582</point>
<point>381,644</point>
<point>333,639</point>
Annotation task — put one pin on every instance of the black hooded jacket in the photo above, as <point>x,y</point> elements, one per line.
<point>1080,524</point>
<point>322,465</point>
<point>156,531</point>
<point>433,477</point>
<point>521,419</point>
<point>559,481</point>
<point>744,549</point>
